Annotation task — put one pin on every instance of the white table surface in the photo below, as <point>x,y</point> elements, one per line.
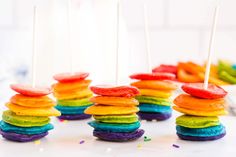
<point>65,139</point>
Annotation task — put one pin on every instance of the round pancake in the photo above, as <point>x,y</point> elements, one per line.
<point>24,111</point>
<point>201,132</point>
<point>197,90</point>
<point>194,138</point>
<point>117,91</point>
<point>197,122</point>
<point>25,130</point>
<point>155,84</point>
<point>74,116</point>
<point>27,101</point>
<point>70,77</point>
<point>149,116</point>
<point>21,137</point>
<point>73,95</point>
<point>193,103</point>
<point>155,93</point>
<point>114,127</point>
<point>200,112</point>
<point>116,101</point>
<point>74,102</point>
<point>78,85</point>
<point>111,110</point>
<point>23,121</point>
<point>154,108</point>
<point>117,119</point>
<point>153,100</point>
<point>71,110</point>
<point>118,136</point>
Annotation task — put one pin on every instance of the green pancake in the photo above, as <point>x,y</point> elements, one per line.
<point>226,66</point>
<point>74,102</point>
<point>227,77</point>
<point>153,100</point>
<point>197,122</point>
<point>117,119</point>
<point>24,121</point>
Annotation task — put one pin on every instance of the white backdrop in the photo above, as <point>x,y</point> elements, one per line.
<point>179,31</point>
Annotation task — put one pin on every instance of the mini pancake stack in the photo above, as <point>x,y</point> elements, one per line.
<point>72,94</point>
<point>201,108</point>
<point>115,113</point>
<point>155,93</point>
<point>28,116</point>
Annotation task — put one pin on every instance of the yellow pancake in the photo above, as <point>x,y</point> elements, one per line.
<point>26,101</point>
<point>116,101</point>
<point>200,112</point>
<point>73,95</point>
<point>111,110</point>
<point>25,111</point>
<point>155,93</point>
<point>154,84</point>
<point>63,87</point>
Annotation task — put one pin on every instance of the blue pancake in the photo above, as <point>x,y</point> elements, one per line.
<point>154,108</point>
<point>5,127</point>
<point>201,132</point>
<point>195,138</point>
<point>114,127</point>
<point>66,110</point>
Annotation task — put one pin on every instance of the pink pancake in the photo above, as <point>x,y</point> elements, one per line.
<point>117,91</point>
<point>197,90</point>
<point>70,77</point>
<point>28,90</point>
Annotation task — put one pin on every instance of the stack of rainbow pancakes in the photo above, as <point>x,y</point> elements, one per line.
<point>28,116</point>
<point>201,108</point>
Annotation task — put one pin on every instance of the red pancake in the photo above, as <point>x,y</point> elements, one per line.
<point>28,90</point>
<point>117,91</point>
<point>70,77</point>
<point>166,68</point>
<point>197,90</point>
<point>153,76</point>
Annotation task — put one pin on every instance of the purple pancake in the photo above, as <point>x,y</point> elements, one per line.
<point>21,137</point>
<point>195,138</point>
<point>154,116</point>
<point>118,136</point>
<point>74,116</point>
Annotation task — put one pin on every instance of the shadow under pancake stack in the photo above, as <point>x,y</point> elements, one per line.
<point>72,94</point>
<point>155,93</point>
<point>28,116</point>
<point>114,112</point>
<point>201,108</point>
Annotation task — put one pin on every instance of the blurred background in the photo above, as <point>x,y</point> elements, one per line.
<point>179,31</point>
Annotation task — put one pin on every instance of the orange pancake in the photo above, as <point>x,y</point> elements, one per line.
<point>73,95</point>
<point>63,87</point>
<point>27,101</point>
<point>154,84</point>
<point>188,102</point>
<point>116,101</point>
